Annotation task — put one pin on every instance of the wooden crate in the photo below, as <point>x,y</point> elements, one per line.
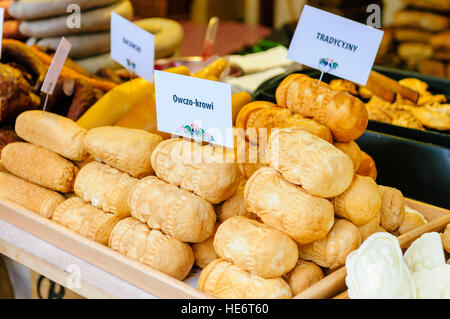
<point>158,283</point>
<point>103,257</point>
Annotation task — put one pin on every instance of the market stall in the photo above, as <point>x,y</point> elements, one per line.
<point>327,188</point>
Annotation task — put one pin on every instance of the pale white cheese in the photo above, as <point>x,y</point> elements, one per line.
<point>377,270</point>
<point>434,283</point>
<point>425,253</point>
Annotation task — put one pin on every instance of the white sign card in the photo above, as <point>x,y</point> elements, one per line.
<point>56,66</point>
<point>132,47</point>
<point>335,45</point>
<point>2,15</point>
<point>194,108</point>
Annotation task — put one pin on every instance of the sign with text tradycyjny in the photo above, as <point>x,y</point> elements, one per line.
<point>194,108</point>
<point>132,47</point>
<point>336,45</point>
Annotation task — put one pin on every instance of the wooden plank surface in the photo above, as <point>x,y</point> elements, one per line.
<point>334,284</point>
<point>133,272</point>
<point>56,264</point>
<point>343,295</point>
<point>42,289</point>
<point>50,271</point>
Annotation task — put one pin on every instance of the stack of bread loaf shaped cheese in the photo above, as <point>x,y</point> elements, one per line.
<point>110,194</point>
<point>165,213</point>
<point>41,168</point>
<point>159,218</point>
<point>306,200</point>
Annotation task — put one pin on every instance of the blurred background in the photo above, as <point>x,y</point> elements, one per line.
<point>246,22</point>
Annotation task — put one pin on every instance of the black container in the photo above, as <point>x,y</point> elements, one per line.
<point>416,162</point>
<point>420,170</point>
